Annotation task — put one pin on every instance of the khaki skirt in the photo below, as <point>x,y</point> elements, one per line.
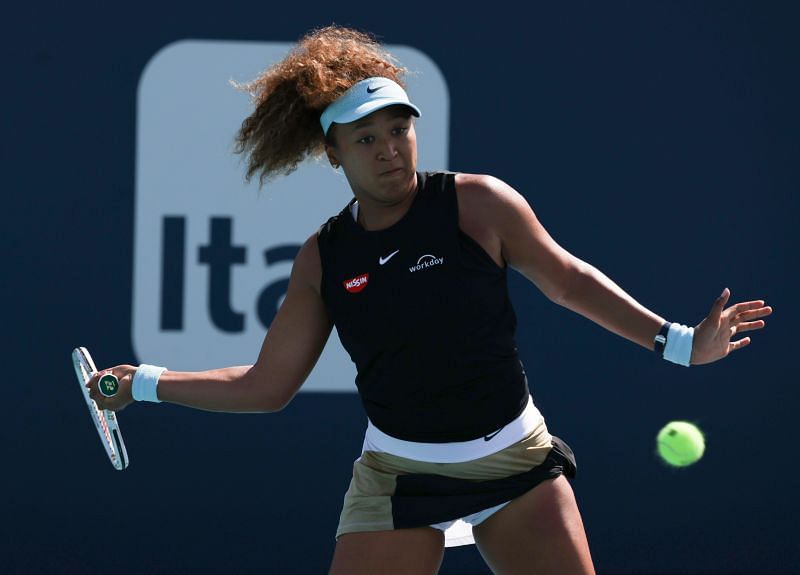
<point>391,492</point>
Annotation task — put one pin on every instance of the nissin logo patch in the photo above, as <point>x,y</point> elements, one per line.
<point>212,254</point>
<point>356,284</point>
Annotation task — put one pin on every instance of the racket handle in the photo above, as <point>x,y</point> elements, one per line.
<point>108,385</point>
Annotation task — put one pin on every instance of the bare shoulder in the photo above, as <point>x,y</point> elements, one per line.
<point>480,192</point>
<point>479,184</point>
<point>307,269</point>
<point>503,222</point>
<point>487,204</point>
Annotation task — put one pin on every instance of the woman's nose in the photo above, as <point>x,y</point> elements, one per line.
<point>387,150</point>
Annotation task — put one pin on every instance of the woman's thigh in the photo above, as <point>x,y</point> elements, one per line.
<point>540,532</point>
<point>400,552</point>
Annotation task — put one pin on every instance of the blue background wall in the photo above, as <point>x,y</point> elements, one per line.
<point>657,140</point>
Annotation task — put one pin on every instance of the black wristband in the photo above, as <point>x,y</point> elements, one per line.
<point>661,339</point>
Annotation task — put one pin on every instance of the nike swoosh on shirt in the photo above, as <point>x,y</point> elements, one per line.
<point>383,260</point>
<point>491,435</point>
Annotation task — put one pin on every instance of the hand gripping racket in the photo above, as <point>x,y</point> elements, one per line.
<point>104,420</point>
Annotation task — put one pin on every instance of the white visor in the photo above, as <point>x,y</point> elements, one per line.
<point>363,98</point>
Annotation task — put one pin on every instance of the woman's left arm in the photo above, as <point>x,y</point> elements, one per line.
<point>573,283</point>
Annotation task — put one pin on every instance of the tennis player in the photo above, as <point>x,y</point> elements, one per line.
<point>412,272</point>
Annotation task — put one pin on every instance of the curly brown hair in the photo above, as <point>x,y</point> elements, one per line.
<point>290,96</point>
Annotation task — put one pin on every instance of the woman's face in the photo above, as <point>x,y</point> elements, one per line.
<point>378,154</point>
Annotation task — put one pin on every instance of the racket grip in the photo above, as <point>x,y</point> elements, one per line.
<point>108,385</point>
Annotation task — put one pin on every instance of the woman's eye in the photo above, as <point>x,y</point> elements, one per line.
<point>366,140</point>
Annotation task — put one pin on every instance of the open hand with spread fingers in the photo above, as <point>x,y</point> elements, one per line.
<point>713,337</point>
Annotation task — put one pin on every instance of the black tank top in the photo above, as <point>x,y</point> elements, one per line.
<point>425,315</point>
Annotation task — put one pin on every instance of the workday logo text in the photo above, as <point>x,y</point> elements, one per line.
<point>212,255</point>
<point>425,262</point>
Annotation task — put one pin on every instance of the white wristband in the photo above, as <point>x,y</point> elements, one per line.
<point>145,383</point>
<point>678,348</point>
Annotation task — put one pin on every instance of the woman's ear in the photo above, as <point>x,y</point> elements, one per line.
<point>332,157</point>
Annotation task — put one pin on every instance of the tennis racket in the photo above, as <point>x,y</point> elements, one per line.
<point>104,420</point>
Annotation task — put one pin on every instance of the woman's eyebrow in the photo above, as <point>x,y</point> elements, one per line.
<point>369,121</point>
<point>362,124</point>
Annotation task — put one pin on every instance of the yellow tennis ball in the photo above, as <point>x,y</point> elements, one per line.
<point>680,443</point>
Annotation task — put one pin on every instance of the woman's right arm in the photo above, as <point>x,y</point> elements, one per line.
<point>290,350</point>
